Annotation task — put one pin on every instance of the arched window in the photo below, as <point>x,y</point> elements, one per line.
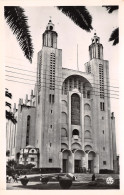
<point>87,148</point>
<point>75,134</point>
<point>64,118</point>
<point>87,134</point>
<point>64,146</point>
<point>28,130</point>
<point>75,109</point>
<point>86,107</point>
<point>75,146</point>
<point>64,103</point>
<point>88,94</point>
<point>87,121</point>
<point>63,132</point>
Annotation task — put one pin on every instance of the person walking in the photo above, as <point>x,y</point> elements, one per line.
<point>93,177</point>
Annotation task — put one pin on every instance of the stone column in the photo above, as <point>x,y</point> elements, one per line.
<point>81,86</point>
<point>83,162</point>
<point>77,83</point>
<point>61,161</point>
<point>72,162</point>
<point>69,119</point>
<point>72,83</point>
<point>96,163</point>
<point>86,159</point>
<point>82,120</point>
<point>68,86</point>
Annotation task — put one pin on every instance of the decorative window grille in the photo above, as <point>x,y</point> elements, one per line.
<point>75,109</point>
<point>52,71</point>
<point>39,72</point>
<point>101,80</point>
<point>102,106</point>
<point>98,51</point>
<point>75,83</point>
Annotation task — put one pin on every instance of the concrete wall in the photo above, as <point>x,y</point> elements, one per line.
<point>23,112</point>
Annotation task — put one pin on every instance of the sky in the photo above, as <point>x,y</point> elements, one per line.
<point>69,36</point>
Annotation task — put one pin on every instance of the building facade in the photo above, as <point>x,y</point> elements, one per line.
<point>11,126</point>
<point>68,117</point>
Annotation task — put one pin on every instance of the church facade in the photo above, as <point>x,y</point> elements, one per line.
<point>67,119</point>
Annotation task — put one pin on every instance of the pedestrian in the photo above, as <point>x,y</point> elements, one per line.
<point>93,177</point>
<point>7,178</point>
<point>16,178</point>
<point>13,177</point>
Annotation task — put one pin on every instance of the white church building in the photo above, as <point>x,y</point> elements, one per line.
<point>67,121</point>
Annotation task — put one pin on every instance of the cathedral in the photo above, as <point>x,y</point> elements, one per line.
<point>67,122</point>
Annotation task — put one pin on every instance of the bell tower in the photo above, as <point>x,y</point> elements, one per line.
<point>96,48</point>
<point>49,74</point>
<point>50,36</point>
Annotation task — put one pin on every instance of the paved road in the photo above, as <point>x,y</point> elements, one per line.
<point>55,186</point>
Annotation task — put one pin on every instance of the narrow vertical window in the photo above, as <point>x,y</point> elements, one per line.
<point>88,94</point>
<point>28,130</point>
<point>49,98</point>
<point>101,80</point>
<point>75,109</point>
<point>52,71</point>
<point>53,99</point>
<point>38,99</point>
<point>103,148</point>
<point>102,106</point>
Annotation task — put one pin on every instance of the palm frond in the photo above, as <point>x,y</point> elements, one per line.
<point>17,21</point>
<point>115,36</point>
<point>10,116</point>
<point>110,9</point>
<point>79,15</point>
<point>7,94</point>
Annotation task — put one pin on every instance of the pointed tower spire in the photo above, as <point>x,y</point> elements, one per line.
<point>50,36</point>
<point>96,48</point>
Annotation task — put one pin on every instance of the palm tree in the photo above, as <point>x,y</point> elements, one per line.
<point>115,36</point>
<point>9,114</point>
<point>17,21</point>
<point>115,33</point>
<point>111,8</point>
<point>12,163</point>
<point>79,15</point>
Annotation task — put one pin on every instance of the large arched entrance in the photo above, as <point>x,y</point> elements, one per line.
<point>91,161</point>
<point>79,156</point>
<point>66,160</point>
